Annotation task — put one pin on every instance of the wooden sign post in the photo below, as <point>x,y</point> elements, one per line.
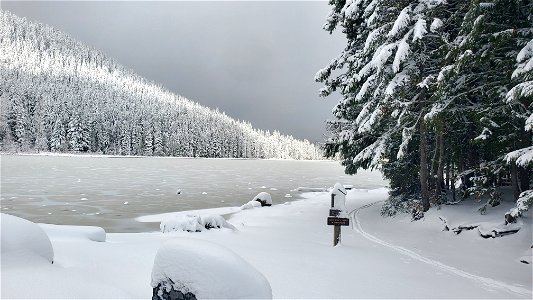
<point>335,220</point>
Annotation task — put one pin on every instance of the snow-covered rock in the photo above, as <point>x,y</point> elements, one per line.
<point>70,232</point>
<point>193,223</point>
<point>206,270</point>
<point>264,198</point>
<point>19,235</point>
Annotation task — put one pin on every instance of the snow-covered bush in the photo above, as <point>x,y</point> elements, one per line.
<point>206,271</point>
<point>400,204</point>
<point>193,223</point>
<point>20,235</point>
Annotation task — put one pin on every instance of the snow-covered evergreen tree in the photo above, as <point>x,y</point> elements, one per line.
<point>433,91</point>
<point>472,93</point>
<point>388,65</point>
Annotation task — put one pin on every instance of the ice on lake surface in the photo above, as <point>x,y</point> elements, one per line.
<point>111,191</point>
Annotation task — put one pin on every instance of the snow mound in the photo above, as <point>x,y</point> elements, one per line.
<point>262,199</point>
<point>527,258</point>
<point>20,235</point>
<point>70,232</point>
<point>193,223</point>
<point>251,204</point>
<point>207,270</point>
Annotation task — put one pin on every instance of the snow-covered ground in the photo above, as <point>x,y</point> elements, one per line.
<point>291,245</point>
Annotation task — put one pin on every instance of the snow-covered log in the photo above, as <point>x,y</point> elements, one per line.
<point>485,230</point>
<point>524,202</point>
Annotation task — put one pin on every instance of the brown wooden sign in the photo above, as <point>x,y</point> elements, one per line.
<point>338,221</point>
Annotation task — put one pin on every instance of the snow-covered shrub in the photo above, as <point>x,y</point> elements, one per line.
<point>206,271</point>
<point>20,235</point>
<point>394,205</point>
<point>524,202</point>
<point>193,223</point>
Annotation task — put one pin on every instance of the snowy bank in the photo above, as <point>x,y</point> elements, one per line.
<point>70,232</point>
<point>212,211</point>
<point>20,235</point>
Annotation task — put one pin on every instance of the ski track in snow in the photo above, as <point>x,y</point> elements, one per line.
<point>489,282</point>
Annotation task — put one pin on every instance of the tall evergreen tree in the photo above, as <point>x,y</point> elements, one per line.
<point>389,65</point>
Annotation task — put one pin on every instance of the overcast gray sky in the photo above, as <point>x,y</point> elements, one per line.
<point>254,60</point>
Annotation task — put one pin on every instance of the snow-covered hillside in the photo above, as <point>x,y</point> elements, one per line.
<point>291,245</point>
<point>59,95</point>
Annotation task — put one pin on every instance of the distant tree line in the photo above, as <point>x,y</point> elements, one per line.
<point>434,92</point>
<point>62,96</point>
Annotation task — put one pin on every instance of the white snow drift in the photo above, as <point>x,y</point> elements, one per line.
<point>22,236</point>
<point>207,270</point>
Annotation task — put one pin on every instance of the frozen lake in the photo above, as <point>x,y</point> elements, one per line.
<point>111,191</point>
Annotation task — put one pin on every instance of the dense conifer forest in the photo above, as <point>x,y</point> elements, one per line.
<point>435,93</point>
<point>59,95</point>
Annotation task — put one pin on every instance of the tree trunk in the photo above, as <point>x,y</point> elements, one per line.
<point>434,161</point>
<point>448,172</point>
<point>424,193</point>
<point>523,172</point>
<point>514,180</point>
<point>452,183</point>
<point>440,170</point>
<point>523,175</point>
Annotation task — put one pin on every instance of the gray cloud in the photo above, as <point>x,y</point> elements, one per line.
<point>254,60</point>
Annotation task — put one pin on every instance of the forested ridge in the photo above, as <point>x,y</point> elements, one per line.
<point>59,95</point>
<point>435,93</point>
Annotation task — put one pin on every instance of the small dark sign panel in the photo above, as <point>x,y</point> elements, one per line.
<point>338,221</point>
<point>334,212</point>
